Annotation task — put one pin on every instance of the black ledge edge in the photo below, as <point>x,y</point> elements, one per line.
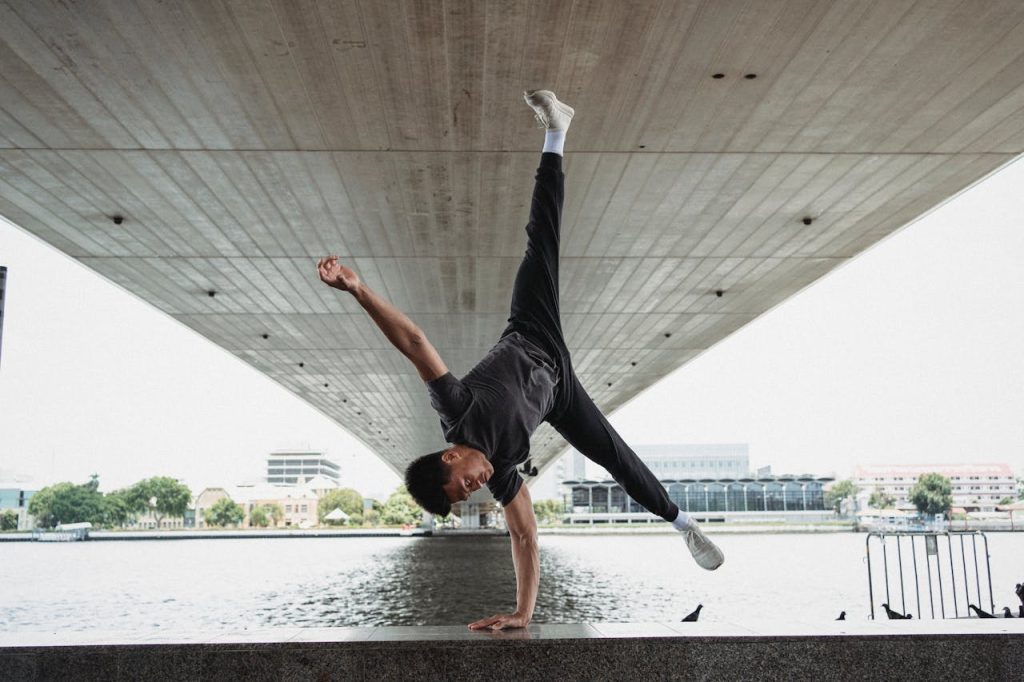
<point>521,655</point>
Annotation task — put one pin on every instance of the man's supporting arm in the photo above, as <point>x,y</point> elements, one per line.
<point>522,527</point>
<point>400,330</point>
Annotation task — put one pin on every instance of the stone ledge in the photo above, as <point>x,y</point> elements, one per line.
<point>989,650</point>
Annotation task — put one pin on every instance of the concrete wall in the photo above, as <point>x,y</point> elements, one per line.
<point>542,652</point>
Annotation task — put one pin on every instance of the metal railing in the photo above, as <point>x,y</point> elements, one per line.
<point>945,564</point>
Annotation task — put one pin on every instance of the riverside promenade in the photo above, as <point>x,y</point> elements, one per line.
<point>748,649</point>
<point>230,534</point>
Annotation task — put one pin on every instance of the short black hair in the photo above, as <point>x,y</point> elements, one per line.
<point>425,479</point>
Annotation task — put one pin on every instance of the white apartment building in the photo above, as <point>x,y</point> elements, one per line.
<point>696,460</point>
<point>977,486</point>
<point>672,461</point>
<point>290,467</point>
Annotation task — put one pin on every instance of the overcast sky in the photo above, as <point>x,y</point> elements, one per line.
<point>912,352</point>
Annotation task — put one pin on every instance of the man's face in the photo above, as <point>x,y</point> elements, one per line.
<point>469,471</point>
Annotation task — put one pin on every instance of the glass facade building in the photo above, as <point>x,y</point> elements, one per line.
<point>706,495</point>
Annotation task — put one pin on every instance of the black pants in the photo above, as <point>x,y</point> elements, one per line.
<point>535,314</point>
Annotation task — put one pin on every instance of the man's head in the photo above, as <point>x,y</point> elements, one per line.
<point>441,478</point>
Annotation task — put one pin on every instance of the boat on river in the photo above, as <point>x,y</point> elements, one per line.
<point>64,532</point>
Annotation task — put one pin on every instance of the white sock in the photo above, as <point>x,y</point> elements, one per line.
<point>682,521</point>
<point>554,141</point>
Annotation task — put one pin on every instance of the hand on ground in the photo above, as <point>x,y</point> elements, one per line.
<point>501,621</point>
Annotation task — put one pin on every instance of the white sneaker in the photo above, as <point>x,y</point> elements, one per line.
<point>705,553</point>
<point>548,111</point>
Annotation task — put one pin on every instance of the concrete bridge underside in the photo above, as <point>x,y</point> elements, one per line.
<point>747,147</point>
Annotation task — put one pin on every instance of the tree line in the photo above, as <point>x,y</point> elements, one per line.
<point>399,509</point>
<point>165,497</point>
<point>161,496</point>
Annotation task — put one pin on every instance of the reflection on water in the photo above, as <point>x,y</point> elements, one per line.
<point>435,581</point>
<point>447,580</point>
<point>218,584</point>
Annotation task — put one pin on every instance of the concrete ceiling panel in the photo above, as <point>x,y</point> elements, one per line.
<point>242,140</point>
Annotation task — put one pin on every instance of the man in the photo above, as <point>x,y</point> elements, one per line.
<point>490,414</point>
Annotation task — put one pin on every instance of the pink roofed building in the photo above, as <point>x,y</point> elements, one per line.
<point>975,486</point>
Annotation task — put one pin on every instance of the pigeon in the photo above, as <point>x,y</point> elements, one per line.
<point>692,618</point>
<point>1006,612</point>
<point>842,615</point>
<point>895,615</point>
<point>979,612</point>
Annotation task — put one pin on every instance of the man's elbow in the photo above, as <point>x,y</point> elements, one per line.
<point>415,338</point>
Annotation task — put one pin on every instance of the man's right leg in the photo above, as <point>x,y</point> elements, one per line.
<point>586,428</point>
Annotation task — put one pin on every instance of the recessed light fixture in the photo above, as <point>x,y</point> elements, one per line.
<point>808,220</point>
<point>211,293</point>
<point>325,385</point>
<point>668,334</point>
<point>266,336</point>
<point>118,219</point>
<point>302,364</point>
<point>718,293</point>
<point>633,363</point>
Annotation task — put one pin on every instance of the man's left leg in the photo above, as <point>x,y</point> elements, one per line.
<point>534,310</point>
<point>587,430</point>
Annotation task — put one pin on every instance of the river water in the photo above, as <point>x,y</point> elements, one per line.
<point>209,585</point>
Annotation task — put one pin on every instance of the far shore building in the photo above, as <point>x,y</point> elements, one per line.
<point>289,467</point>
<point>16,499</point>
<point>798,498</point>
<point>696,460</point>
<point>975,487</point>
<point>298,502</point>
<point>711,481</point>
<point>148,521</point>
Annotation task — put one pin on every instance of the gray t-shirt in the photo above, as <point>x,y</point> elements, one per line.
<point>497,406</point>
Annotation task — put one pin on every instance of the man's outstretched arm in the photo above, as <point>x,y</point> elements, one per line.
<point>522,526</point>
<point>400,330</point>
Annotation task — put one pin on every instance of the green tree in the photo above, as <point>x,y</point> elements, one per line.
<point>401,509</point>
<point>355,520</point>
<point>1020,488</point>
<point>276,513</point>
<point>259,517</point>
<point>932,494</point>
<point>119,508</point>
<point>162,496</point>
<point>881,500</point>
<point>839,491</point>
<point>371,517</point>
<point>224,512</point>
<point>548,511</point>
<point>345,499</point>
<point>8,520</point>
<point>1006,500</point>
<point>68,503</point>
